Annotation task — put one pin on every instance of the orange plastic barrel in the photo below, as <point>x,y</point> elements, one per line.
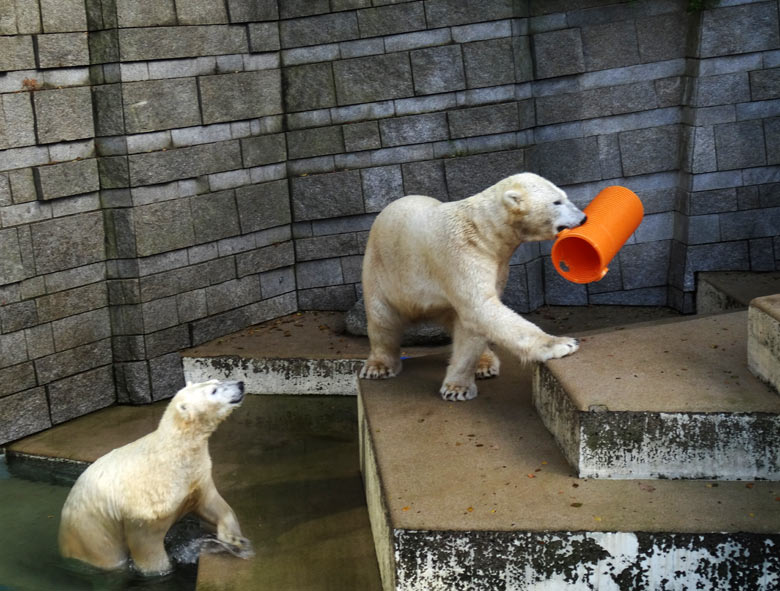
<point>582,254</point>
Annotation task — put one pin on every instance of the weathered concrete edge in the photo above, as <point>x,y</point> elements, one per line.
<point>491,560</point>
<point>639,445</point>
<point>378,513</point>
<point>278,376</point>
<point>763,344</point>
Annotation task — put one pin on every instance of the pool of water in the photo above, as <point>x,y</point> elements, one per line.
<point>29,558</point>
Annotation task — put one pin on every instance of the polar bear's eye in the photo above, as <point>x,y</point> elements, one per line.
<point>213,391</point>
<point>559,202</point>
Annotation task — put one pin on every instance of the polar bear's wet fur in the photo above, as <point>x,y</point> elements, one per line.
<point>449,262</point>
<point>123,505</point>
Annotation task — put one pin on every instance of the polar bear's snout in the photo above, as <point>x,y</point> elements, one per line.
<point>569,216</point>
<point>234,391</point>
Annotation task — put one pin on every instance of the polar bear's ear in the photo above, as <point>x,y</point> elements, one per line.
<point>184,411</point>
<point>514,198</point>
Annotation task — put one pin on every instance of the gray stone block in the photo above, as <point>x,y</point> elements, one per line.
<point>352,268</point>
<point>17,124</point>
<point>154,43</point>
<point>224,97</point>
<point>22,184</point>
<point>323,247</point>
<point>277,282</point>
<point>263,37</point>
<point>361,136</point>
<point>18,316</point>
<point>416,40</point>
<point>391,19</point>
<point>23,413</point>
<point>669,91</point>
<point>109,118</point>
<point>722,90</point>
<point>437,69</point>
<point>263,149</point>
<point>599,44</point>
<point>113,172</point>
<point>772,134</point>
<point>132,383</point>
<point>762,257</point>
<point>191,305</point>
<point>214,216</point>
<point>740,145</point>
<point>66,179</point>
<point>81,329</point>
<point>162,167</point>
<point>327,195</point>
<point>16,53</point>
<point>373,78</point>
<point>473,174</point>
<point>316,30</point>
<point>62,50</point>
<point>318,141</point>
<point>716,201</point>
<point>265,259</point>
<point>739,29</point>
<point>309,87</point>
<point>753,223</point>
<point>145,13</point>
<point>14,349</point>
<point>160,104</point>
<point>319,273</point>
<point>72,301</point>
<point>609,156</point>
<point>414,129</point>
<point>63,114</point>
<point>560,292</point>
<point>446,13</point>
<point>765,84</point>
<point>489,63</point>
<point>67,242</point>
<point>164,226</point>
<point>233,294</point>
<point>170,340</point>
<point>252,10</point>
<point>337,297</point>
<point>650,150</point>
<point>263,206</point>
<point>73,361</point>
<point>166,375</point>
<point>425,178</point>
<point>5,191</point>
<point>654,227</point>
<point>483,120</point>
<point>16,379</point>
<point>381,186</point>
<point>662,37</point>
<point>201,12</point>
<point>645,265</point>
<point>558,53</point>
<point>60,16</point>
<point>569,161</point>
<point>159,314</point>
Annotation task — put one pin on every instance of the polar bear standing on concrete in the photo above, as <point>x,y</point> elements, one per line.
<point>127,500</point>
<point>449,262</point>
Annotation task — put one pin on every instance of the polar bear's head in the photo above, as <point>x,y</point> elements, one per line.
<point>538,208</point>
<point>205,405</point>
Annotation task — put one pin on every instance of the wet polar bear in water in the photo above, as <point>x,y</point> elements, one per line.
<point>126,501</point>
<point>449,262</point>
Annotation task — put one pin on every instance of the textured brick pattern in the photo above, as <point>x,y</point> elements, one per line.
<point>173,171</point>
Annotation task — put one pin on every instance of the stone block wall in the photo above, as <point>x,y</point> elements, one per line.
<point>175,170</point>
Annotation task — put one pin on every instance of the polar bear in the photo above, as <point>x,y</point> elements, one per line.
<point>449,262</point>
<point>126,501</point>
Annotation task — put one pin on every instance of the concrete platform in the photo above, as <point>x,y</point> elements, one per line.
<point>720,291</point>
<point>303,353</point>
<point>764,339</point>
<point>663,401</point>
<point>478,496</point>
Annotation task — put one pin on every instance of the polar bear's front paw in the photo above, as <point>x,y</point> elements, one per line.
<point>458,392</point>
<point>558,347</point>
<point>239,546</point>
<point>375,370</point>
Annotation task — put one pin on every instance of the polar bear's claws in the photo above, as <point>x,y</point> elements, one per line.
<point>559,347</point>
<point>453,392</point>
<point>376,371</point>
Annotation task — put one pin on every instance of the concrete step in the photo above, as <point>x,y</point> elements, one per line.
<point>720,291</point>
<point>478,496</point>
<point>764,339</point>
<point>303,353</point>
<point>672,400</point>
